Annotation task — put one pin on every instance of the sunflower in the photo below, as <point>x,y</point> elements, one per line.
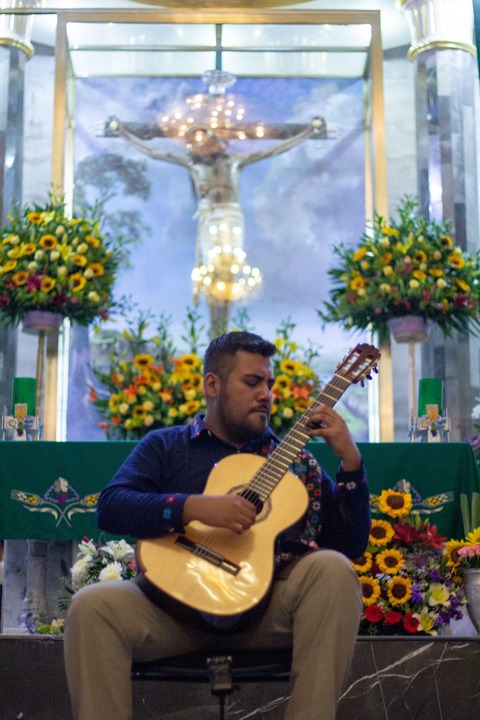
<point>371,589</point>
<point>48,242</point>
<point>473,537</point>
<point>390,561</point>
<point>395,504</point>
<point>399,590</point>
<point>381,532</point>
<point>143,360</point>
<point>364,563</point>
<point>451,552</point>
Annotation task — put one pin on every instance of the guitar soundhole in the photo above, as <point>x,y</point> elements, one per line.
<point>252,497</point>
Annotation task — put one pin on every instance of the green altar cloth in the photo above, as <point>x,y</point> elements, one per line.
<point>49,490</point>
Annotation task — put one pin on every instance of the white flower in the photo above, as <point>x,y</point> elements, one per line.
<point>112,571</point>
<point>87,548</point>
<point>120,550</point>
<point>80,572</point>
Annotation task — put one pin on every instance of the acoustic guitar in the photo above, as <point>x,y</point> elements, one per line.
<point>216,571</point>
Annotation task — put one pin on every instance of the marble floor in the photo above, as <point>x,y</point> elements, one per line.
<point>391,679</point>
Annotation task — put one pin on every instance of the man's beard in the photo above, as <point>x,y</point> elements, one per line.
<point>249,429</point>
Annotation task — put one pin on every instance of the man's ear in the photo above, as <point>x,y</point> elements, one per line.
<point>211,385</point>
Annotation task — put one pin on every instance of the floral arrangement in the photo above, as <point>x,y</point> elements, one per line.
<point>56,263</point>
<point>408,266</point>
<point>408,584</point>
<point>149,385</point>
<point>296,383</point>
<point>115,560</point>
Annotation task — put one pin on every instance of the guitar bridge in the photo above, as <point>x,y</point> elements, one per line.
<point>207,554</point>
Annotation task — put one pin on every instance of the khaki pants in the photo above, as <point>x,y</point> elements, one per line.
<point>316,609</point>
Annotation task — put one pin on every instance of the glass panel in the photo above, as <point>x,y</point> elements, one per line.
<point>330,36</point>
<point>97,64</point>
<point>139,35</point>
<point>301,64</point>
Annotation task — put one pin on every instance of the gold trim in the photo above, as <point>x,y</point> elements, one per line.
<point>440,45</point>
<point>218,5</point>
<point>19,44</point>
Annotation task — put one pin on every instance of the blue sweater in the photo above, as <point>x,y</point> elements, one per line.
<point>146,496</point>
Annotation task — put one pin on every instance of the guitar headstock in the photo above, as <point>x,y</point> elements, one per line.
<point>358,364</point>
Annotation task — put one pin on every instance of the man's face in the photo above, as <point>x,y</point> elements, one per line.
<point>245,397</point>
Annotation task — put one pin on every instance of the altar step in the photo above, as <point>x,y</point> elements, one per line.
<point>391,679</point>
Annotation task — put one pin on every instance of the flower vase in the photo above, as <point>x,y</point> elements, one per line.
<point>35,321</point>
<point>472,586</point>
<point>408,328</point>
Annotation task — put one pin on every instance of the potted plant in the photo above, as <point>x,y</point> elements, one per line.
<point>404,268</point>
<point>55,265</point>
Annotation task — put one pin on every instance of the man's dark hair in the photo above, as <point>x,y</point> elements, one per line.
<point>221,352</point>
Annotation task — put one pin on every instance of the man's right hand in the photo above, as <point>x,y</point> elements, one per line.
<point>226,511</point>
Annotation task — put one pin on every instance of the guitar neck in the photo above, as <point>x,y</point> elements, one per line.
<point>277,464</point>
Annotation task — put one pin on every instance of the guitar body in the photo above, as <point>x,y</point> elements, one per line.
<point>214,570</point>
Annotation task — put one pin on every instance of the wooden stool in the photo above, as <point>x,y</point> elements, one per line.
<point>223,672</point>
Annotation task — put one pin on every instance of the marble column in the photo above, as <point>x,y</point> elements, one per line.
<point>446,98</point>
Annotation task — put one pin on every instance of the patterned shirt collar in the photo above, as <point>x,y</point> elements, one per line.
<point>262,445</point>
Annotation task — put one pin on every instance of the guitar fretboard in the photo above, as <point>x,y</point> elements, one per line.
<point>271,472</point>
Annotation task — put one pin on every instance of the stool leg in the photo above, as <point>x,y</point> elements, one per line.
<point>221,679</point>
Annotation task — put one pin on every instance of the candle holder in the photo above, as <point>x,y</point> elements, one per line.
<point>430,425</point>
<point>20,426</point>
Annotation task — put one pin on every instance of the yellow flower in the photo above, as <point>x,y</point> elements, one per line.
<point>359,254</point>
<point>388,270</point>
<point>92,241</point>
<point>79,260</point>
<point>439,595</point>
<point>34,217</point>
<point>358,282</point>
<point>420,256</point>
<point>399,590</point>
<point>48,242</point>
<point>142,361</point>
<point>190,408</point>
<point>370,589</point>
<point>78,282</point>
<point>386,230</point>
<point>47,283</point>
<point>465,287</point>
<point>381,532</point>
<point>451,552</point>
<point>290,367</point>
<point>426,620</point>
<point>9,266</point>
<point>435,272</point>
<point>139,411</point>
<point>473,537</point>
<point>363,563</point>
<point>191,361</point>
<point>456,260</point>
<point>419,275</point>
<point>390,561</point>
<point>282,383</point>
<point>395,504</point>
<point>28,249</point>
<point>97,269</point>
<point>288,413</point>
<point>20,278</point>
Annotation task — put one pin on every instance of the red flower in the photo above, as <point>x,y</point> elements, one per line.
<point>393,617</point>
<point>373,613</point>
<point>410,623</point>
<point>425,534</point>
